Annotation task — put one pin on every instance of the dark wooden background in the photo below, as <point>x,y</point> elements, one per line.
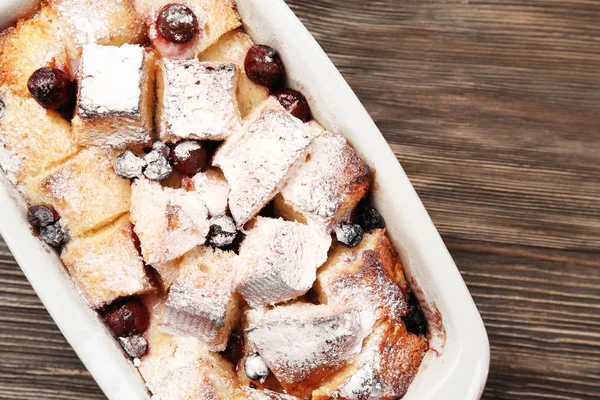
<point>493,109</point>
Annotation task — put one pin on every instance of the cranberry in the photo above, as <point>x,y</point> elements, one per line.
<point>128,165</point>
<point>369,218</point>
<point>41,215</point>
<point>414,319</point>
<point>2,107</point>
<point>349,234</point>
<point>54,234</point>
<point>263,66</point>
<point>189,157</point>
<point>235,348</point>
<point>295,103</point>
<point>177,23</point>
<point>127,317</point>
<point>222,232</point>
<point>255,368</point>
<point>50,87</point>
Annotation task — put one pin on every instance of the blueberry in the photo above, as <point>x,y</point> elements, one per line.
<point>41,215</point>
<point>129,166</point>
<point>349,234</point>
<point>235,348</point>
<point>135,346</point>
<point>222,232</point>
<point>255,368</point>
<point>54,234</point>
<point>414,319</point>
<point>369,218</point>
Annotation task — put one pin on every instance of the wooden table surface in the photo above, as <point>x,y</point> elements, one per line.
<point>493,109</point>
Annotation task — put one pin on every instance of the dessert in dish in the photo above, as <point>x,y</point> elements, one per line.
<point>224,236</point>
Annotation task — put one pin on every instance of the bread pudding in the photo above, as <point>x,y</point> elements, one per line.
<point>224,235</point>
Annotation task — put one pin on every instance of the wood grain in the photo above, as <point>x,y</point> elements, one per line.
<point>492,107</point>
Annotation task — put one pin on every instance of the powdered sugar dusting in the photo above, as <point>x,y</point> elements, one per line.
<point>360,277</point>
<point>326,179</point>
<point>10,163</point>
<point>58,183</point>
<point>110,80</point>
<point>169,222</point>
<point>200,302</point>
<point>197,100</point>
<point>279,259</point>
<point>213,187</point>
<point>258,160</point>
<point>265,394</point>
<point>300,340</point>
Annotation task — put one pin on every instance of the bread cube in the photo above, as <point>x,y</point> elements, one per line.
<point>215,17</point>
<point>266,394</point>
<point>386,366</point>
<point>196,100</point>
<point>33,44</point>
<point>116,97</point>
<point>106,265</point>
<point>368,276</point>
<point>259,158</point>
<point>169,222</point>
<point>329,184</point>
<point>232,47</point>
<point>278,260</point>
<point>106,22</point>
<point>304,343</point>
<point>213,187</point>
<point>202,302</point>
<point>32,139</point>
<point>182,368</point>
<point>85,191</point>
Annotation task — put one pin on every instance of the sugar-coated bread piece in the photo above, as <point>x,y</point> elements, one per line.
<point>329,184</point>
<point>182,368</point>
<point>233,47</point>
<point>386,366</point>
<point>278,260</point>
<point>115,101</point>
<point>202,302</point>
<point>32,139</point>
<point>303,344</point>
<point>33,44</point>
<point>169,222</point>
<point>196,100</point>
<point>167,272</point>
<point>106,22</point>
<point>215,17</point>
<point>259,158</point>
<point>368,276</point>
<point>213,187</point>
<point>85,191</point>
<point>106,264</point>
<point>266,394</point>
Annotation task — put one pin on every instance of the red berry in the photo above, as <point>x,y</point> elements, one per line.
<point>189,157</point>
<point>41,215</point>
<point>235,348</point>
<point>295,103</point>
<point>50,87</point>
<point>263,66</point>
<point>127,317</point>
<point>177,23</point>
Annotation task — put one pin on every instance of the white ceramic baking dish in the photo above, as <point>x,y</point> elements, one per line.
<point>455,368</point>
